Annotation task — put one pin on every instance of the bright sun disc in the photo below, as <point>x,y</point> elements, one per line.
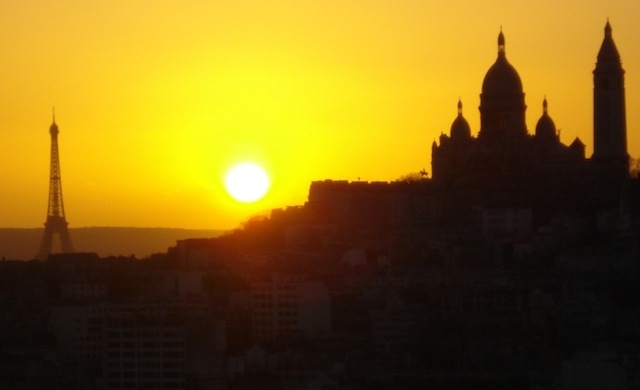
<point>247,182</point>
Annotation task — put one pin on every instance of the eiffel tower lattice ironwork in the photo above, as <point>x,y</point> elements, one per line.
<point>56,223</point>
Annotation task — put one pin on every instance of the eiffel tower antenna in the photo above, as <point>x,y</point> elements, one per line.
<point>56,222</point>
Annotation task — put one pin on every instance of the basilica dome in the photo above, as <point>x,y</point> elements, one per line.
<point>502,79</point>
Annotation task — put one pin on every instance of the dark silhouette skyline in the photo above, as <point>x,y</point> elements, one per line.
<point>166,105</point>
<point>517,268</point>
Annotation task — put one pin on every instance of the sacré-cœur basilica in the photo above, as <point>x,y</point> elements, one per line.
<point>504,168</point>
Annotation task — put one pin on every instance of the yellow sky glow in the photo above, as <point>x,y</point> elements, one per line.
<point>157,100</point>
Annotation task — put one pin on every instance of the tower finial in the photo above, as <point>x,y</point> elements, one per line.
<point>544,105</point>
<point>501,49</point>
<point>459,106</point>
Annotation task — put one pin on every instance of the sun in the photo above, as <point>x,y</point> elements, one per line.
<point>247,182</point>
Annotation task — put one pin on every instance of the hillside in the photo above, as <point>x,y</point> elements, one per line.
<point>22,244</point>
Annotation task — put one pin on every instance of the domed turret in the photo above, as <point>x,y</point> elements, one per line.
<point>502,105</point>
<point>501,79</point>
<point>460,129</point>
<point>546,129</point>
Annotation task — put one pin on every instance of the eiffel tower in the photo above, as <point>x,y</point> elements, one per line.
<point>56,222</point>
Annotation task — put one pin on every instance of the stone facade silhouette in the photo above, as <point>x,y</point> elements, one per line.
<point>504,147</point>
<point>504,166</point>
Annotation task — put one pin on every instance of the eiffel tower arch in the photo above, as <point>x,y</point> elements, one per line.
<point>56,223</point>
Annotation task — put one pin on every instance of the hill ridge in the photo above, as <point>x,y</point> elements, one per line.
<point>22,243</point>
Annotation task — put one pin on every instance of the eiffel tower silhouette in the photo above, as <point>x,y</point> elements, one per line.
<point>56,222</point>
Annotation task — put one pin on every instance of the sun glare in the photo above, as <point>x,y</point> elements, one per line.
<point>247,182</point>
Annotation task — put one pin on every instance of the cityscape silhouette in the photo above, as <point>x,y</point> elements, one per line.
<point>513,262</point>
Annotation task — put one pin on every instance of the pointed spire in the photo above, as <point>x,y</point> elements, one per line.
<point>544,106</point>
<point>501,46</point>
<point>459,107</point>
<point>608,51</point>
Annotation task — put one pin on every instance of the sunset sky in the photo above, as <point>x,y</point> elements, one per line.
<point>156,100</point>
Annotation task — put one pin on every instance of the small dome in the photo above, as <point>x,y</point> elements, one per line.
<point>501,79</point>
<point>545,129</point>
<point>460,128</point>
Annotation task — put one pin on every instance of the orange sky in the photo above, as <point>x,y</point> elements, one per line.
<point>155,100</point>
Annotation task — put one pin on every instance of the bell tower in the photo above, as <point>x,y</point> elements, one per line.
<point>56,222</point>
<point>609,113</point>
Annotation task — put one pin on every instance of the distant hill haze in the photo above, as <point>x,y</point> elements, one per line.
<point>22,244</point>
